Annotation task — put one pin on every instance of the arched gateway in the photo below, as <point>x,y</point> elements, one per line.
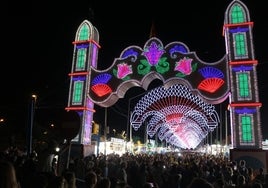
<point>182,72</point>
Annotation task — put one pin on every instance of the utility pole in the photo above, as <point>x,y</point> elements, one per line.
<point>30,128</point>
<point>129,127</point>
<point>105,131</point>
<point>226,129</point>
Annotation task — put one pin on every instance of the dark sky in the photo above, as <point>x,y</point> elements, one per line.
<point>38,45</point>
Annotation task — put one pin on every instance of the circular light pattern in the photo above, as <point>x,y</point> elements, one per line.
<point>176,115</point>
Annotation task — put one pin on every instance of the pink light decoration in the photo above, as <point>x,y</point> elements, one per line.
<point>184,66</point>
<point>174,117</point>
<point>153,54</point>
<point>123,70</point>
<point>88,123</point>
<point>94,57</point>
<point>179,128</point>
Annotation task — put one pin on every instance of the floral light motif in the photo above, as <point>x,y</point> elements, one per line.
<point>178,48</point>
<point>153,54</point>
<point>184,66</point>
<point>144,67</point>
<point>123,70</point>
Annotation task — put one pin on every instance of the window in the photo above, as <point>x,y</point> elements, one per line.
<point>78,91</point>
<point>237,14</point>
<point>243,86</point>
<point>240,45</point>
<point>81,59</point>
<point>84,32</point>
<point>246,128</point>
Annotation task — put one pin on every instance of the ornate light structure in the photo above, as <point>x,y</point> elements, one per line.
<point>176,115</point>
<point>174,112</point>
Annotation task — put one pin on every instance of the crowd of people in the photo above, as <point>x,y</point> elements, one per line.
<point>169,170</point>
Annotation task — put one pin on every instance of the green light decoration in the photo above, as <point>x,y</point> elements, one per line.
<point>246,135</point>
<point>237,14</point>
<point>84,32</point>
<point>78,92</point>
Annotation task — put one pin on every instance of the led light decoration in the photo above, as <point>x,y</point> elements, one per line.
<point>173,63</point>
<point>99,85</point>
<point>184,66</point>
<point>153,53</point>
<point>214,79</point>
<point>211,84</point>
<point>85,46</point>
<point>242,68</point>
<point>123,70</point>
<point>245,111</point>
<point>175,115</point>
<point>245,122</point>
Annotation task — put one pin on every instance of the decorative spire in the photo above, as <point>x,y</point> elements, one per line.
<point>152,31</point>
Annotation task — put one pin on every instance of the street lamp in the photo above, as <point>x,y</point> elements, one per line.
<point>30,129</point>
<point>129,127</point>
<point>114,132</point>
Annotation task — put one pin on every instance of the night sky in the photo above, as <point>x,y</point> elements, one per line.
<point>38,47</point>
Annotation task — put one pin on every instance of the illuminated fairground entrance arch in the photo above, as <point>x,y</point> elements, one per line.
<point>182,110</point>
<point>175,115</point>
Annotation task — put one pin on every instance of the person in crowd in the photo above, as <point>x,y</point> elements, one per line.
<point>8,177</point>
<point>104,183</point>
<point>241,181</point>
<point>121,173</point>
<point>260,177</point>
<point>133,170</point>
<point>70,178</point>
<point>58,182</point>
<point>91,179</point>
<point>148,185</point>
<point>242,169</point>
<point>257,185</point>
<point>198,182</point>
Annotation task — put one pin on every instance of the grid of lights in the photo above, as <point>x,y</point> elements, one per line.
<point>176,115</point>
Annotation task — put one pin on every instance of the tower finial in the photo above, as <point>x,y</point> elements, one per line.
<point>152,31</point>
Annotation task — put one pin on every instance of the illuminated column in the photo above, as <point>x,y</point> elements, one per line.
<point>84,57</point>
<point>244,101</point>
